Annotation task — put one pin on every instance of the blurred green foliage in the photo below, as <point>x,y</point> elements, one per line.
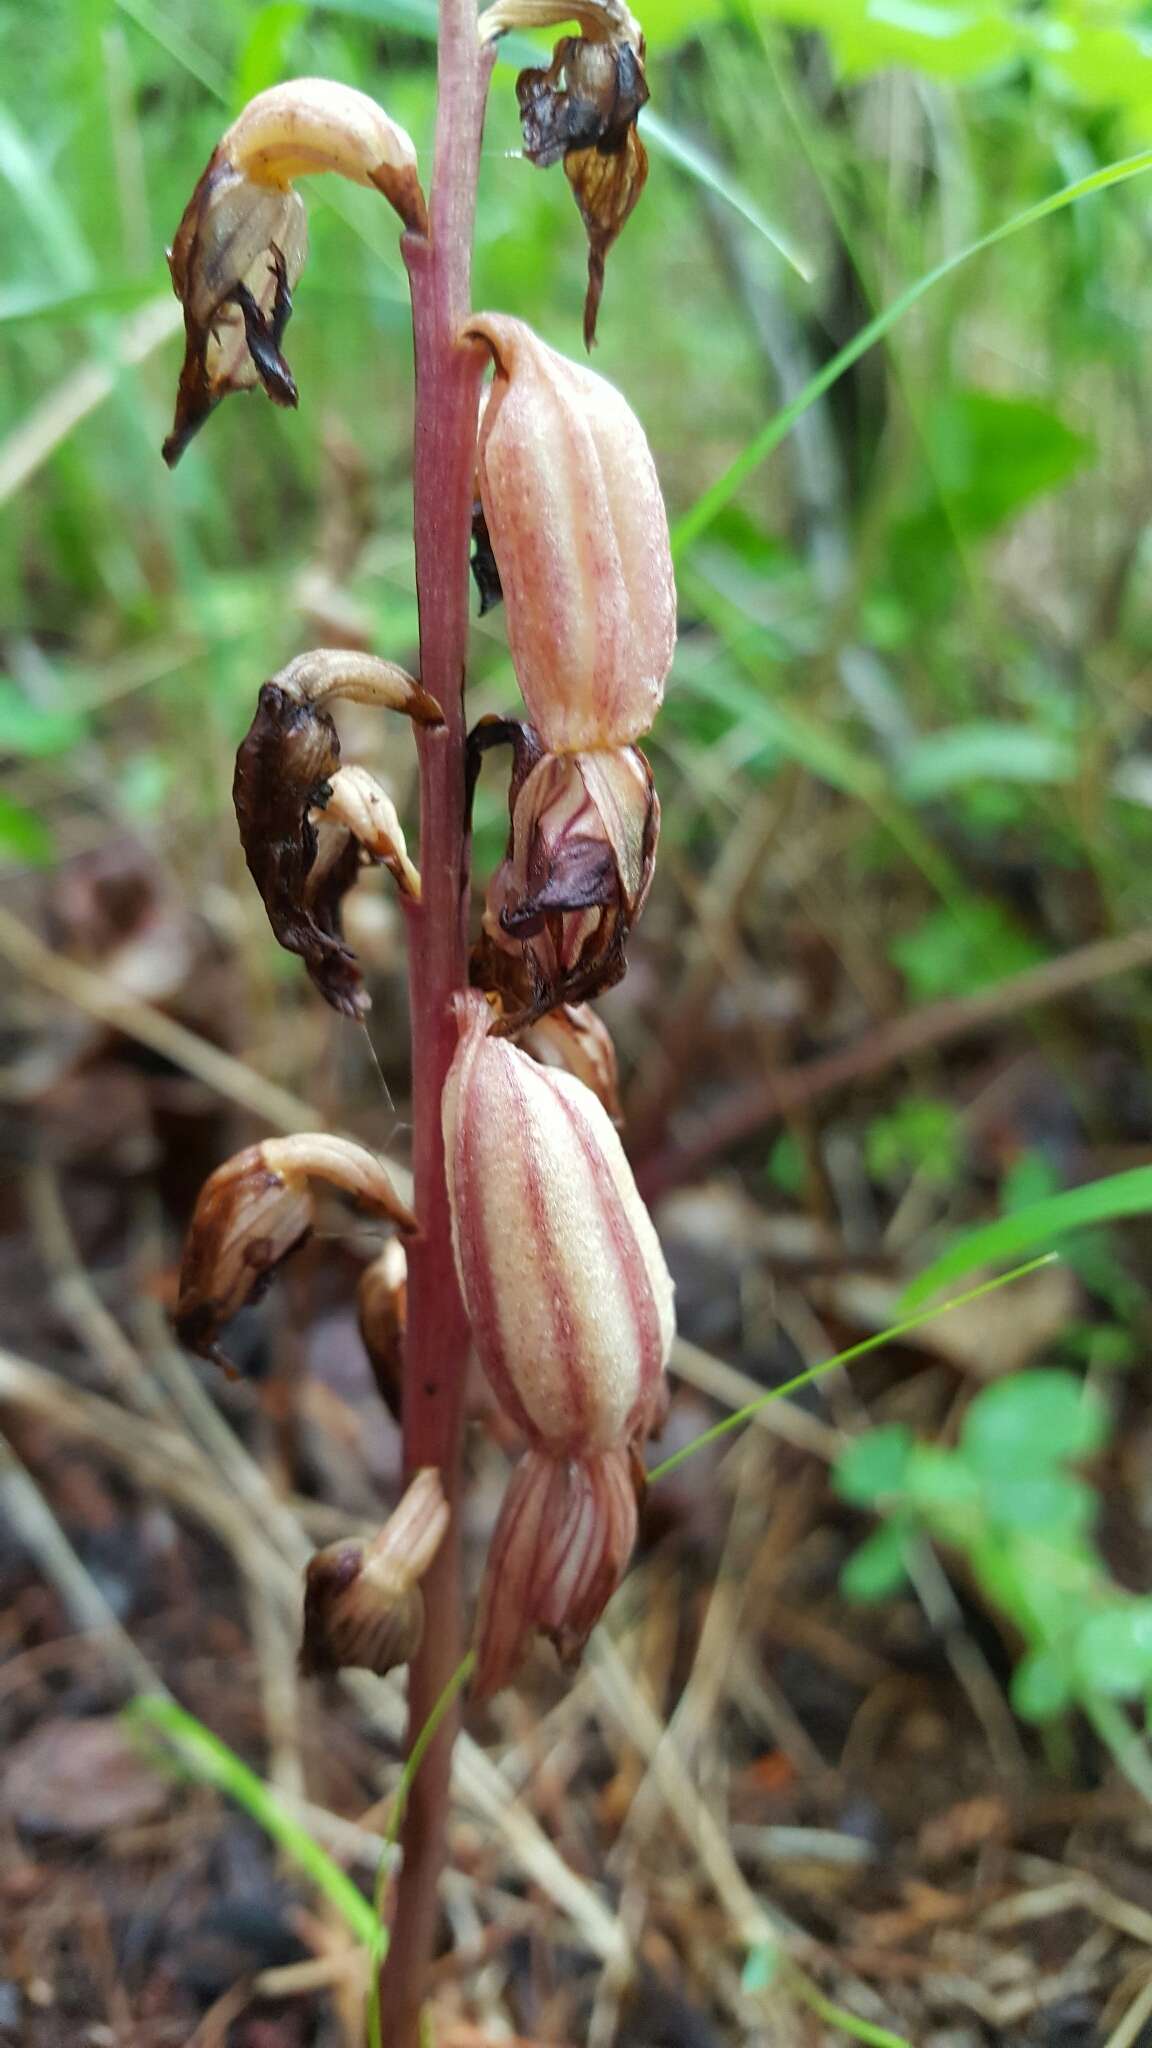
<point>1005,1498</point>
<point>920,627</point>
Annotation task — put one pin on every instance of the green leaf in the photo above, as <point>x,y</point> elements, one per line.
<point>1041,1504</point>
<point>952,952</point>
<point>877,1569</point>
<point>992,455</point>
<point>263,59</point>
<point>1041,1688</point>
<point>23,836</point>
<point>1113,1650</point>
<point>947,1493</point>
<point>30,730</point>
<point>761,1968</point>
<point>1031,1421</point>
<point>988,752</point>
<point>874,1466</point>
<point>1038,1227</point>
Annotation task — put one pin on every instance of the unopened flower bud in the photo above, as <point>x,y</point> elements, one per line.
<point>363,1608</point>
<point>561,1271</point>
<point>579,1042</point>
<point>255,1210</point>
<point>581,851</point>
<point>241,244</point>
<point>580,538</point>
<point>287,773</point>
<point>560,1549</point>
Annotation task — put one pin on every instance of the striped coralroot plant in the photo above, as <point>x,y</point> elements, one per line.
<point>525,1241</point>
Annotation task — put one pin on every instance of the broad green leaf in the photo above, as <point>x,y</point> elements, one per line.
<point>991,455</point>
<point>1038,1228</point>
<point>1031,1421</point>
<point>984,752</point>
<point>952,953</point>
<point>1113,1650</point>
<point>877,1569</point>
<point>874,1465</point>
<point>946,1491</point>
<point>1041,1688</point>
<point>31,731</point>
<point>263,59</point>
<point>24,837</point>
<point>1051,1503</point>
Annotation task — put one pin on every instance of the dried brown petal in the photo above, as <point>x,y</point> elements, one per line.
<point>255,1210</point>
<point>240,246</point>
<point>287,769</point>
<point>560,1549</point>
<point>363,1609</point>
<point>606,188</point>
<point>577,869</point>
<point>583,106</point>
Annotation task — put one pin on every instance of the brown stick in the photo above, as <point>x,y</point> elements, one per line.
<point>917,1031</point>
<point>447,391</point>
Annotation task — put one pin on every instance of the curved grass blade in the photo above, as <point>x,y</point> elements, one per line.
<point>699,516</point>
<point>1041,1223</point>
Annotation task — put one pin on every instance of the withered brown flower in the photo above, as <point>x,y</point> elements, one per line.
<point>240,247</point>
<point>583,107</point>
<point>254,1211</point>
<point>287,773</point>
<point>577,868</point>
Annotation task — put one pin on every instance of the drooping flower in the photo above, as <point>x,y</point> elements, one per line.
<point>289,781</point>
<point>255,1210</point>
<point>570,1305</point>
<point>579,535</point>
<point>363,1607</point>
<point>240,246</point>
<point>583,108</point>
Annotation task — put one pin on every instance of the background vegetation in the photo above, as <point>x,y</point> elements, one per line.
<point>905,763</point>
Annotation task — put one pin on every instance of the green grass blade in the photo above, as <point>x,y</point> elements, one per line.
<point>211,1762</point>
<point>699,516</point>
<point>803,1379</point>
<point>1041,1223</point>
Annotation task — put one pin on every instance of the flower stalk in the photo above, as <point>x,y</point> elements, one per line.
<point>437,1339</point>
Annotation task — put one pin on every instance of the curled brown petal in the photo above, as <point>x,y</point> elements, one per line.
<point>240,247</point>
<point>287,770</point>
<point>255,1210</point>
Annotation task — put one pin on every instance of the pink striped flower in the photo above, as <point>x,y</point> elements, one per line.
<point>570,1304</point>
<point>579,534</point>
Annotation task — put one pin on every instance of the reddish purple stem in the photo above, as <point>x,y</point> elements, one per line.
<point>447,392</point>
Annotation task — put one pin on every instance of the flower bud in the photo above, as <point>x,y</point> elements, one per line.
<point>579,862</point>
<point>580,538</point>
<point>561,1271</point>
<point>363,1608</point>
<point>240,246</point>
<point>560,1549</point>
<point>287,771</point>
<point>255,1210</point>
<point>579,1042</point>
